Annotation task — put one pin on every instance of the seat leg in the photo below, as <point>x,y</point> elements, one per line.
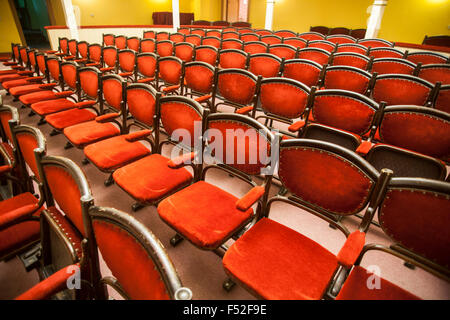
<point>137,206</point>
<point>228,284</point>
<point>32,113</point>
<point>85,161</point>
<point>54,132</point>
<point>15,99</point>
<point>109,181</point>
<point>23,106</point>
<point>175,240</point>
<point>68,145</point>
<point>282,191</point>
<point>41,122</point>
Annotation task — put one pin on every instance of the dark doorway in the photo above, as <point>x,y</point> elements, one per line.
<point>33,17</point>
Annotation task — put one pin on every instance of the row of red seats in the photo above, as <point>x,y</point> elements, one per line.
<point>71,229</point>
<point>217,86</point>
<point>301,160</point>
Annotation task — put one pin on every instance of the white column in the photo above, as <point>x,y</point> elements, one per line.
<point>70,18</point>
<point>176,14</point>
<point>376,15</point>
<point>269,14</point>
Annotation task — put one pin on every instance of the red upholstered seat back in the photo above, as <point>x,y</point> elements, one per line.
<point>393,65</point>
<point>212,41</point>
<point>176,37</point>
<point>232,44</point>
<point>206,54</point>
<point>149,34</point>
<point>113,92</point>
<point>164,48</point>
<point>95,52</point>
<point>255,47</point>
<point>184,51</point>
<point>199,77</point>
<point>108,39</point>
<point>141,103</point>
<point>322,44</point>
<point>419,129</point>
<point>110,56</point>
<point>213,33</point>
<point>198,32</point>
<point>436,72</point>
<point>318,55</point>
<point>305,71</point>
<point>283,51</point>
<point>32,58</point>
<point>283,97</point>
<point>178,114</point>
<point>195,39</point>
<point>5,116</point>
<point>285,33</point>
<point>352,47</point>
<point>27,143</point>
<point>170,69</point>
<point>120,42</point>
<point>385,52</point>
<point>238,87</point>
<point>396,90</point>
<point>133,43</point>
<point>347,78</point>
<point>324,179</point>
<point>375,43</point>
<point>66,192</point>
<point>296,42</point>
<point>148,45</point>
<point>417,217</point>
<point>69,73</point>
<point>63,45</point>
<point>351,59</point>
<point>73,47</point>
<point>344,110</point>
<point>83,49</point>
<point>249,37</point>
<point>230,35</point>
<point>232,58</point>
<point>265,65</point>
<point>271,39</point>
<point>311,36</point>
<point>242,146</point>
<point>146,64</point>
<point>426,57</point>
<point>120,251</point>
<point>40,59</point>
<point>162,35</point>
<point>127,60</point>
<point>341,38</point>
<point>89,80</point>
<point>443,99</point>
<point>53,68</point>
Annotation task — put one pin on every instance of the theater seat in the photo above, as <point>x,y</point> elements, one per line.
<point>115,152</point>
<point>68,118</point>
<point>155,185</point>
<point>26,89</point>
<point>15,237</point>
<point>276,276</point>
<point>355,288</point>
<point>85,133</point>
<point>216,216</point>
<point>45,107</point>
<point>30,98</point>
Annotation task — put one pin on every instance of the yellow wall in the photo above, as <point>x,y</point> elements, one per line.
<point>210,10</point>
<point>403,21</point>
<point>410,20</point>
<point>58,12</point>
<point>9,32</point>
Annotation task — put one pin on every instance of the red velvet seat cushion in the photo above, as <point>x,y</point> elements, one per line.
<point>278,263</point>
<point>14,83</point>
<point>34,97</point>
<point>29,88</point>
<point>355,288</point>
<point>115,152</point>
<point>150,178</point>
<point>21,234</point>
<point>69,118</point>
<point>204,214</point>
<point>89,132</point>
<point>51,106</point>
<point>7,71</point>
<point>11,76</point>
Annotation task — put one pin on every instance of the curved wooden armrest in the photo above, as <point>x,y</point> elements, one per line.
<point>351,249</point>
<point>250,198</point>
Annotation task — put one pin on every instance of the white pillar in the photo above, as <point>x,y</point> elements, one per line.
<point>70,19</point>
<point>376,15</point>
<point>176,14</point>
<point>269,14</point>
